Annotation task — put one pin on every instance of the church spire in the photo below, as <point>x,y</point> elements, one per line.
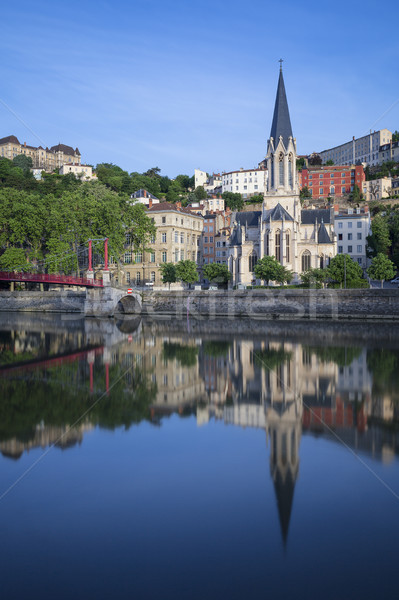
<point>281,125</point>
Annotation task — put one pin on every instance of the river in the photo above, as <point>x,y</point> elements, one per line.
<point>198,459</point>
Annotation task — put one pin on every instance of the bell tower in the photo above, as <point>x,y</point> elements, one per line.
<point>281,148</point>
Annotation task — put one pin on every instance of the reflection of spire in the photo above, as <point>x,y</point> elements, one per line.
<point>284,488</point>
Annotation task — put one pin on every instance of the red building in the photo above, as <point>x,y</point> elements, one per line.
<point>331,181</point>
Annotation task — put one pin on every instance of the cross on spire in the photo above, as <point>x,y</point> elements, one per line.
<point>281,64</point>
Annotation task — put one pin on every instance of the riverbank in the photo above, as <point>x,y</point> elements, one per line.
<point>287,304</point>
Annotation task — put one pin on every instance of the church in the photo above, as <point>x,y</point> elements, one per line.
<point>298,239</point>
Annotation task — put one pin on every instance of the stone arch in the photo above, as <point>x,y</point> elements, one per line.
<point>277,245</point>
<point>128,305</point>
<point>252,260</point>
<point>281,169</point>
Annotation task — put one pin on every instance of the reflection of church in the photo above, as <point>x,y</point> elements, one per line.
<point>298,239</point>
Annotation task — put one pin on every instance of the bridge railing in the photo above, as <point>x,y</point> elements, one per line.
<point>50,278</point>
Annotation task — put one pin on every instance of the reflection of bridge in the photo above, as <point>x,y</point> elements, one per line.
<point>50,278</point>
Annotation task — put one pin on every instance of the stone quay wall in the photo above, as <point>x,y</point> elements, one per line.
<point>256,304</point>
<point>276,303</point>
<point>61,301</point>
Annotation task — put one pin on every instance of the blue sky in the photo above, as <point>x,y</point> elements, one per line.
<point>184,85</point>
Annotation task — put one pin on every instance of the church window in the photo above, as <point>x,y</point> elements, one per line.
<point>277,246</point>
<point>290,171</point>
<point>272,171</point>
<point>306,261</point>
<point>253,259</point>
<point>321,262</point>
<point>287,246</point>
<point>267,244</point>
<point>281,169</point>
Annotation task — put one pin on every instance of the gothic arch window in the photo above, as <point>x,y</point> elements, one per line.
<point>252,260</point>
<point>272,171</point>
<point>277,246</point>
<point>287,246</point>
<point>291,171</point>
<point>267,243</point>
<point>306,261</point>
<point>321,262</point>
<point>281,168</point>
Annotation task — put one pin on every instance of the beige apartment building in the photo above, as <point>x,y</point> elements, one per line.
<point>178,237</point>
<point>46,159</point>
<point>377,189</point>
<point>84,172</point>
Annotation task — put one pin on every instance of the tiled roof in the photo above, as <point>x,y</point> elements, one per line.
<point>308,217</point>
<point>278,213</point>
<point>65,149</point>
<point>9,139</point>
<point>249,219</point>
<point>323,237</point>
<point>168,206</point>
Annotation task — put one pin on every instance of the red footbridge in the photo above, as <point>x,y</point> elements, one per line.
<point>53,279</point>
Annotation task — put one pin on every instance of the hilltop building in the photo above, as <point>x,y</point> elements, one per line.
<point>365,149</point>
<point>298,239</point>
<point>331,181</point>
<point>46,159</point>
<point>247,182</point>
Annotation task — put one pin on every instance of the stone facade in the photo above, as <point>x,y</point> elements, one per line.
<point>46,159</point>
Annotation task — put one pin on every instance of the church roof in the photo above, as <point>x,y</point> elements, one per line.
<point>249,218</point>
<point>281,125</point>
<point>309,216</point>
<point>323,237</point>
<point>278,213</point>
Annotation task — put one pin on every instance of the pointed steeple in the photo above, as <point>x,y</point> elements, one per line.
<point>281,125</point>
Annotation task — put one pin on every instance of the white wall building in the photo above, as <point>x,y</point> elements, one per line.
<point>200,178</point>
<point>377,189</point>
<point>247,182</point>
<point>362,150</point>
<point>83,171</point>
<point>352,226</point>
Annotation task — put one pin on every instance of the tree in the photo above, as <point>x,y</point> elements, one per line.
<point>330,162</point>
<point>315,159</point>
<point>356,195</point>
<point>381,268</point>
<point>256,199</point>
<point>300,163</point>
<point>186,271</point>
<point>200,193</point>
<point>14,259</point>
<point>267,269</point>
<point>314,276</point>
<point>283,275</point>
<point>379,240</point>
<point>23,162</point>
<point>168,273</point>
<point>305,193</point>
<point>217,273</point>
<point>395,136</point>
<point>233,201</point>
<point>344,270</point>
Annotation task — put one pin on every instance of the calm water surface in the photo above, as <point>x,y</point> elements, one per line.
<point>198,459</point>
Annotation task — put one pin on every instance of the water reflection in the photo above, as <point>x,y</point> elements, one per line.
<point>53,373</point>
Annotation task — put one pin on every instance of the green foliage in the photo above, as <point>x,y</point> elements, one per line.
<point>200,193</point>
<point>381,268</point>
<point>217,273</point>
<point>186,355</point>
<point>269,269</point>
<point>23,162</point>
<point>300,163</point>
<point>379,240</point>
<point>330,162</point>
<point>174,192</point>
<point>14,259</point>
<point>168,273</point>
<point>314,277</point>
<point>342,357</point>
<point>233,201</point>
<point>305,193</point>
<point>395,136</point>
<point>356,195</point>
<point>216,348</point>
<point>271,358</point>
<point>256,199</point>
<point>186,271</point>
<point>343,268</point>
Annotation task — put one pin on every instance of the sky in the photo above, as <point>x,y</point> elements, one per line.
<point>183,85</point>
